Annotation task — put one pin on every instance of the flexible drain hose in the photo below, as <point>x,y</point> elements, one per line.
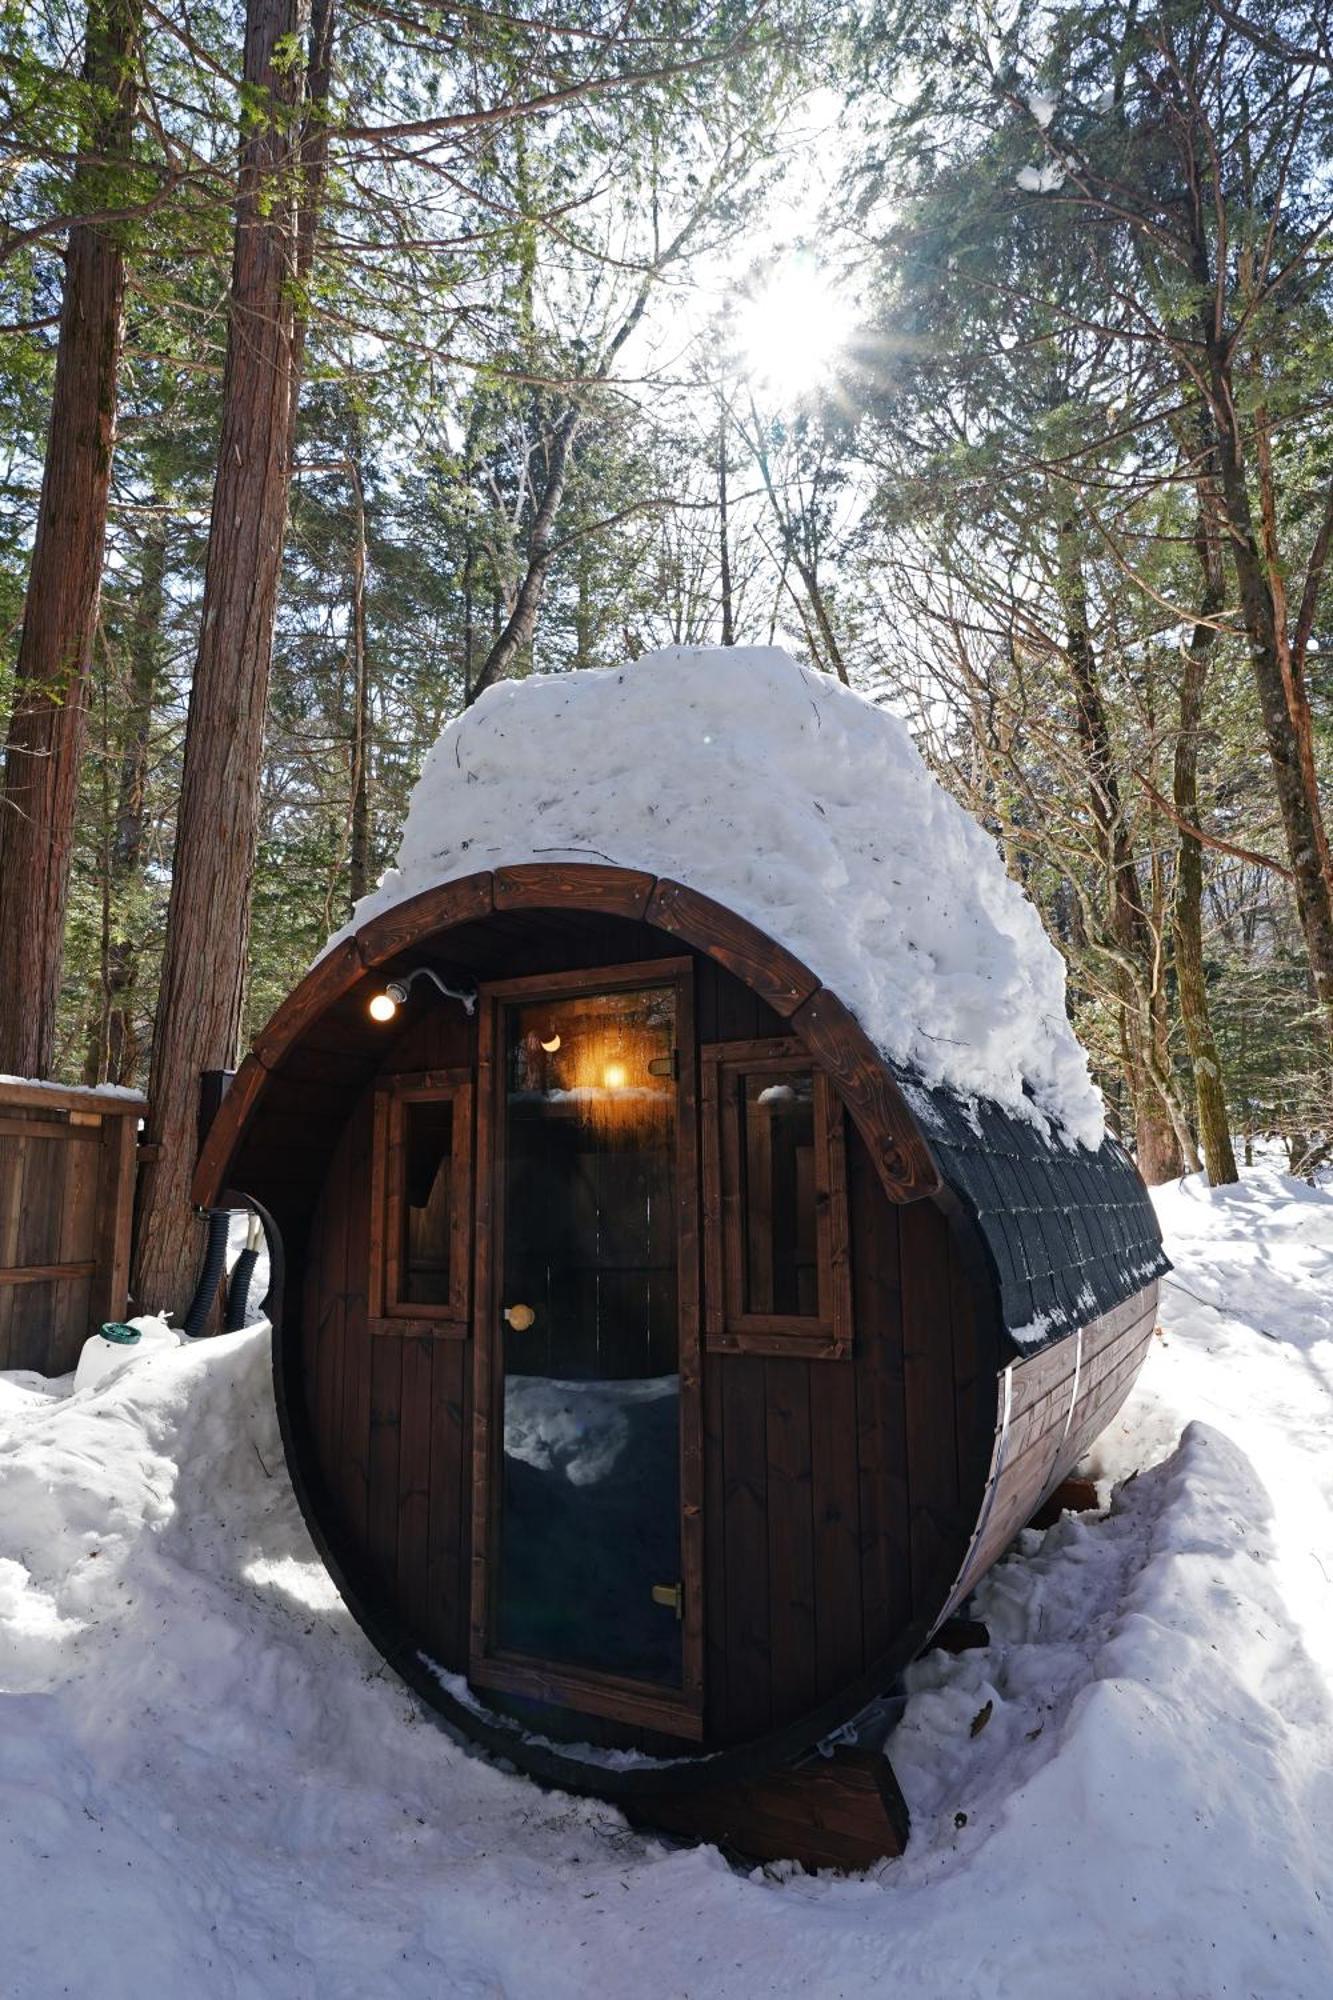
<point>243,1271</point>
<point>215,1259</point>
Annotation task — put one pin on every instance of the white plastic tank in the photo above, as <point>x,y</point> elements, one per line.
<point>119,1343</point>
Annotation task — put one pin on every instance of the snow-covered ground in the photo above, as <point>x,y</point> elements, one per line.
<point>210,1786</point>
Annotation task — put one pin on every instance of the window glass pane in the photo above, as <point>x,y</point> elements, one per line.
<point>428,1130</point>
<point>780,1257</point>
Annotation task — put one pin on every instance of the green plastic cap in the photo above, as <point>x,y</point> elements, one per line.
<point>116,1331</point>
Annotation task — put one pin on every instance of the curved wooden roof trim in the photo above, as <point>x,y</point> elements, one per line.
<point>819,1019</point>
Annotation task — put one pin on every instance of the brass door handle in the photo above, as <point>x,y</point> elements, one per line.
<point>519,1317</point>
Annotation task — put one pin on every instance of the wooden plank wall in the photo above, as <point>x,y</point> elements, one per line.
<point>67,1168</point>
<point>389,1414</point>
<point>838,1494</point>
<point>1046,1438</point>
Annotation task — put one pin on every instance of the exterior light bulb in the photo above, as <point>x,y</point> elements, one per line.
<point>383,1007</point>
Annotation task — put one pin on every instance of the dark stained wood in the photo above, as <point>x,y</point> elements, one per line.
<point>749,1695</point>
<point>881,1432</point>
<point>486,1440</point>
<point>325,1315</point>
<point>328,981</point>
<point>393,1093</point>
<point>836,1506</point>
<point>556,885</point>
<point>710,1191</point>
<point>655,1708</point>
<point>413,1482</point>
<point>604,1694</point>
<point>690,1350</point>
<point>384,1497</point>
<point>351,1466</point>
<point>731,1327</point>
<point>929,1397</point>
<point>424,916</point>
<point>837,1040</point>
<point>844,1811</point>
<point>215,1163</point>
<point>715,1555</point>
<point>399,1326</point>
<point>585,979</point>
<point>836,1512</point>
<point>774,973</point>
<point>791,1555</point>
<point>445,1625</point>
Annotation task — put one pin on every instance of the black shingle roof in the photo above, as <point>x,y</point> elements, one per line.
<point>1071,1233</point>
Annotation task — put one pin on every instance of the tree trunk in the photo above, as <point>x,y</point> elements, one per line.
<point>724,544</point>
<point>1159,1143</point>
<point>1283,699</point>
<point>208,918</point>
<point>358,860</point>
<point>521,625</point>
<point>1187,920</point>
<point>46,732</point>
<point>119,1055</point>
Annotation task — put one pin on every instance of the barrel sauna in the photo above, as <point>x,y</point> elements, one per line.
<point>658,1367</point>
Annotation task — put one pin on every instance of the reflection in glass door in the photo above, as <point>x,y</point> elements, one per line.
<point>589,1552</point>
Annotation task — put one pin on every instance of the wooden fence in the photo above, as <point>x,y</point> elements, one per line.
<point>67,1169</point>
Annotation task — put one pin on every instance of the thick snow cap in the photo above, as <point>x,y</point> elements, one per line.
<point>799,805</point>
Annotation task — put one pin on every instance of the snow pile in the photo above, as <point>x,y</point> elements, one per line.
<point>210,1785</point>
<point>802,807</point>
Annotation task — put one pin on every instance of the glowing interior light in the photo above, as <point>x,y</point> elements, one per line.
<point>551,1046</point>
<point>383,1007</point>
<point>615,1076</point>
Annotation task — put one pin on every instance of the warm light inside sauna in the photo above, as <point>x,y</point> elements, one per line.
<point>607,1072</point>
<point>383,1007</point>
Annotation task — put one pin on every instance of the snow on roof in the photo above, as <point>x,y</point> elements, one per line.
<point>801,806</point>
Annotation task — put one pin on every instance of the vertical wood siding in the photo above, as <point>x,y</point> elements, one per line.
<point>67,1168</point>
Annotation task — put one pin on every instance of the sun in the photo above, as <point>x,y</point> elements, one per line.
<point>793,330</point>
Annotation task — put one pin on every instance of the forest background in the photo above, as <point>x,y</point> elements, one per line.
<point>357,354</point>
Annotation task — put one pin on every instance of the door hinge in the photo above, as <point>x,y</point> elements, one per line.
<point>672,1595</point>
<point>666,1066</point>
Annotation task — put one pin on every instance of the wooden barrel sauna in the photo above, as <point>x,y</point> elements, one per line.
<point>658,1367</point>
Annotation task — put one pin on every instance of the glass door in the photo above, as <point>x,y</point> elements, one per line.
<point>585,1558</point>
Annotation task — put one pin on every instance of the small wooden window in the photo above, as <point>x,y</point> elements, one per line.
<point>421,1198</point>
<point>775,1202</point>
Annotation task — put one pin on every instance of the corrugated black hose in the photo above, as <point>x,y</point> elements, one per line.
<point>242,1271</point>
<point>215,1259</point>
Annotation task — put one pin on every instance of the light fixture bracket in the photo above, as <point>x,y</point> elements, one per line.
<point>398,989</point>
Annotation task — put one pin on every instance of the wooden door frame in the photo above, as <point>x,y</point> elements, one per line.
<point>673,1711</point>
